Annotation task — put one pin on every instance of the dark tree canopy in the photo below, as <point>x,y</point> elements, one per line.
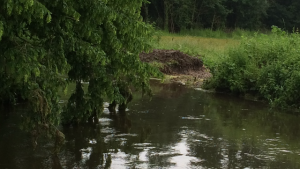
<point>173,15</point>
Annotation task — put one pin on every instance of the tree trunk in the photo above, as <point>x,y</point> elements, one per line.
<point>193,14</point>
<point>213,22</point>
<point>166,12</point>
<point>145,11</point>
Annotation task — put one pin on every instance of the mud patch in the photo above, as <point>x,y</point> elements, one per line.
<point>179,66</point>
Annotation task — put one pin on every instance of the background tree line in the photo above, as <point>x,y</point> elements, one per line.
<point>174,15</point>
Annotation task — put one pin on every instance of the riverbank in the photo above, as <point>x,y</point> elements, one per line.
<point>207,49</point>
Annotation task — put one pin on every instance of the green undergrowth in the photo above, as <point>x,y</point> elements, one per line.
<point>267,66</point>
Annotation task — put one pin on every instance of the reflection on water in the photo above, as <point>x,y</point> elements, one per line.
<point>177,128</point>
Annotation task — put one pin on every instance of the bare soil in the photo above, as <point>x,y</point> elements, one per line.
<point>179,66</point>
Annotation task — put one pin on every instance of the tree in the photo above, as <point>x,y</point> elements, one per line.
<point>246,14</point>
<point>220,14</point>
<point>214,14</point>
<point>46,45</point>
<point>188,14</point>
<point>283,14</point>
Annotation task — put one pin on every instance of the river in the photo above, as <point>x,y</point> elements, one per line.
<point>177,128</point>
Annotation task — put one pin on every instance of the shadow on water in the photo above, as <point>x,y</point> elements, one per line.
<point>177,128</point>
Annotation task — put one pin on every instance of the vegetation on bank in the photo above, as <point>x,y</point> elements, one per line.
<point>263,65</point>
<point>266,66</point>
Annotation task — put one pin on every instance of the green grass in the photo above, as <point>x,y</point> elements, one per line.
<point>208,49</point>
<point>157,64</point>
<point>220,34</point>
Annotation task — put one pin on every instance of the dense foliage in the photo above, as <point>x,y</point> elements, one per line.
<point>176,15</point>
<point>45,45</point>
<point>264,65</point>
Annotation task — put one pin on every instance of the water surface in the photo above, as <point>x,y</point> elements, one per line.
<point>177,128</point>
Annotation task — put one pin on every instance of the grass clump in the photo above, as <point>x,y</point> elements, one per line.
<point>264,65</point>
<point>157,64</point>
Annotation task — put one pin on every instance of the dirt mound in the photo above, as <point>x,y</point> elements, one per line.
<point>174,61</point>
<point>181,66</point>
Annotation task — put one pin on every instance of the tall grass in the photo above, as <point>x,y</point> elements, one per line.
<point>208,33</point>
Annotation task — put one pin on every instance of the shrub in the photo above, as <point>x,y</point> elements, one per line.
<point>265,65</point>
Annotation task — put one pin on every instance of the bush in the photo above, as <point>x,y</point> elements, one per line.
<point>267,66</point>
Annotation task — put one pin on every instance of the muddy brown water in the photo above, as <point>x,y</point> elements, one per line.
<point>178,128</point>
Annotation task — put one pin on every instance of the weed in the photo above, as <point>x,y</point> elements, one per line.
<point>157,64</point>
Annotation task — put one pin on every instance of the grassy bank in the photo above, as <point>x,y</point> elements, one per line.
<point>198,43</point>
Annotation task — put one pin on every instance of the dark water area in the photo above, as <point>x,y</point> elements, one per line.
<point>177,128</point>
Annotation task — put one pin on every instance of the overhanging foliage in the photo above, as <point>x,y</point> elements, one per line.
<point>47,44</point>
